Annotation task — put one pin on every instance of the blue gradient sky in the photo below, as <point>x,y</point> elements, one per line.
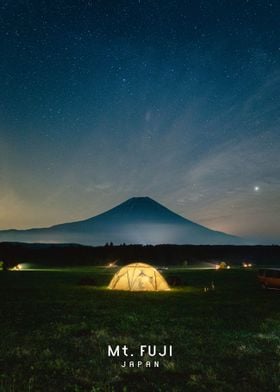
<point>177,100</point>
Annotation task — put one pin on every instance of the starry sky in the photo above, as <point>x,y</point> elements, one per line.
<point>102,100</point>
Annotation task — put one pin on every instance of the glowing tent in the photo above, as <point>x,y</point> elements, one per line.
<point>138,277</point>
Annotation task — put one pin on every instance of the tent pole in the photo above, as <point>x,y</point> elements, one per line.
<point>155,280</point>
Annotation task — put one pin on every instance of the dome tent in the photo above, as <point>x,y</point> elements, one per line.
<point>138,277</point>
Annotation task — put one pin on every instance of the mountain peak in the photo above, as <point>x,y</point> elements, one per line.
<point>138,220</point>
<point>143,208</point>
<point>139,199</point>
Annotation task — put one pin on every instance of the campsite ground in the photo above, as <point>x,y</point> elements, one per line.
<point>55,333</point>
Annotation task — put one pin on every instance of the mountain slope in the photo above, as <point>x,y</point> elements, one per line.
<point>139,220</point>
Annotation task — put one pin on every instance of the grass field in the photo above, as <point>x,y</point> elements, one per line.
<point>55,333</point>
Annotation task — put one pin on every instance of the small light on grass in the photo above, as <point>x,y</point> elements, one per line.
<point>222,265</point>
<point>247,265</point>
<point>112,264</point>
<point>17,267</point>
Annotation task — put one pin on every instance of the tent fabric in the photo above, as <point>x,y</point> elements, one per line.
<point>138,277</point>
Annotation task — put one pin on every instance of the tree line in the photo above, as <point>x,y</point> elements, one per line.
<point>12,254</point>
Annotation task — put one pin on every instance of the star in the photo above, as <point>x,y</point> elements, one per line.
<point>256,188</point>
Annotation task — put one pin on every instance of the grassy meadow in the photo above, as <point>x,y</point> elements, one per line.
<point>55,332</point>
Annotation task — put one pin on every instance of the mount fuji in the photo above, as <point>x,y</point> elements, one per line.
<point>139,220</point>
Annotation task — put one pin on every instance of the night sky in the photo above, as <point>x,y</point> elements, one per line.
<point>176,100</point>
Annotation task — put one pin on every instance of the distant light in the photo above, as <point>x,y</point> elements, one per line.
<point>217,266</point>
<point>17,267</point>
<point>112,264</point>
<point>247,265</point>
<point>256,188</point>
<point>228,267</point>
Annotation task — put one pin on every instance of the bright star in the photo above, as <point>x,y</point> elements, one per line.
<point>256,188</point>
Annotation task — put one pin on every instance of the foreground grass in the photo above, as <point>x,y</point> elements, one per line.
<point>54,333</point>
